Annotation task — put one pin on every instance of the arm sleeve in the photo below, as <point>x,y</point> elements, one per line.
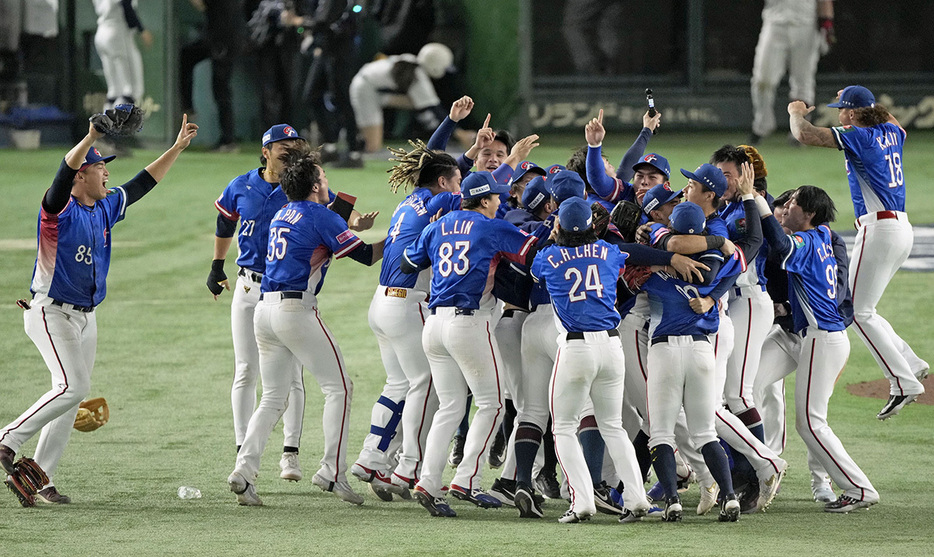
<point>439,139</point>
<point>225,227</point>
<point>752,241</point>
<point>415,257</point>
<point>57,196</point>
<point>714,261</point>
<point>624,171</point>
<point>363,253</point>
<point>132,20</point>
<point>140,185</point>
<point>465,165</point>
<point>607,187</point>
<point>723,287</point>
<point>644,255</point>
<point>776,237</point>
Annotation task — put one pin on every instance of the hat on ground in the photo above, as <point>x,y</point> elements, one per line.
<point>280,132</point>
<point>709,176</point>
<point>854,96</point>
<point>535,194</point>
<point>656,161</point>
<point>565,185</point>
<point>524,168</point>
<point>481,183</point>
<point>658,196</point>
<point>575,215</point>
<point>93,157</point>
<point>687,218</point>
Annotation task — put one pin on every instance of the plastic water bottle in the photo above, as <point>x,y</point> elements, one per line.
<point>186,492</point>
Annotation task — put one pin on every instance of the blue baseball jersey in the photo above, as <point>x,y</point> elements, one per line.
<point>303,236</point>
<point>582,283</point>
<point>812,286</point>
<point>408,220</point>
<point>73,256</point>
<point>669,299</point>
<point>734,216</point>
<point>463,248</point>
<point>873,166</point>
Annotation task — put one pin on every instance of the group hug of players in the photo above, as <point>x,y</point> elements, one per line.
<point>503,280</point>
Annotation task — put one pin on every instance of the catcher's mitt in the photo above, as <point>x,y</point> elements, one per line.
<point>92,414</point>
<point>121,120</point>
<point>758,163</point>
<point>26,480</point>
<point>600,219</point>
<point>626,216</point>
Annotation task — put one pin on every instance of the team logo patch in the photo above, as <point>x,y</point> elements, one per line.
<point>798,240</point>
<point>478,190</point>
<point>345,236</point>
<point>267,137</point>
<point>96,152</point>
<point>289,131</point>
<point>845,129</point>
<point>525,165</point>
<point>649,158</point>
<point>741,226</point>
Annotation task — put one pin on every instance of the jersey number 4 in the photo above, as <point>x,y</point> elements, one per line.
<point>447,265</point>
<point>584,282</point>
<point>278,243</point>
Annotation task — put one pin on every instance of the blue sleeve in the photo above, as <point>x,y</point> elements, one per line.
<point>465,165</point>
<point>132,20</point>
<point>226,204</point>
<point>331,196</point>
<point>605,186</point>
<point>114,205</point>
<point>502,176</point>
<point>776,237</point>
<point>335,234</point>
<point>624,171</point>
<point>416,255</point>
<point>439,139</point>
<point>511,240</point>
<point>723,286</point>
<point>536,268</point>
<point>444,202</point>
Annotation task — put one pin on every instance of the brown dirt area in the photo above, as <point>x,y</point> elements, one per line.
<point>880,389</point>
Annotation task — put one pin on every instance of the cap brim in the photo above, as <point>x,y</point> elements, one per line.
<point>641,163</point>
<point>836,105</point>
<point>283,139</point>
<point>690,175</point>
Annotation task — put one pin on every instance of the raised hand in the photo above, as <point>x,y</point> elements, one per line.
<point>461,109</point>
<point>594,131</point>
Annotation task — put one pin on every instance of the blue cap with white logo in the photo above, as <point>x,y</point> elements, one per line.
<point>535,195</point>
<point>656,161</point>
<point>93,157</point>
<point>710,176</point>
<point>658,196</point>
<point>687,218</point>
<point>566,184</point>
<point>575,215</point>
<point>854,96</point>
<point>280,132</point>
<point>524,168</point>
<point>481,183</point>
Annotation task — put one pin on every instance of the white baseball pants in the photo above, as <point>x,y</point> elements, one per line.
<point>122,63</point>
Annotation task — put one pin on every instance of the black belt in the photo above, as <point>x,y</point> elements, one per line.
<point>664,338</point>
<point>509,313</point>
<point>255,277</point>
<point>458,311</point>
<point>85,309</point>
<point>288,295</point>
<point>580,336</point>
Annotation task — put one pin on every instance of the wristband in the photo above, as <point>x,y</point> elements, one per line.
<point>715,242</point>
<point>217,265</point>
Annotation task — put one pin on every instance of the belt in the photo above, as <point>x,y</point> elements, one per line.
<point>869,218</point>
<point>394,292</point>
<point>510,313</point>
<point>287,295</point>
<point>738,290</point>
<point>246,273</point>
<point>458,311</point>
<point>576,335</point>
<point>66,305</point>
<point>664,338</point>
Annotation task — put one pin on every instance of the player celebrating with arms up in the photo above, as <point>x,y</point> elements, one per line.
<point>69,281</point>
<point>872,141</point>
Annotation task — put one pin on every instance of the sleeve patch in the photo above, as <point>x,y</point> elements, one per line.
<point>798,241</point>
<point>345,236</point>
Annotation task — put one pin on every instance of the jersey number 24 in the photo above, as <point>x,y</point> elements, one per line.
<point>584,282</point>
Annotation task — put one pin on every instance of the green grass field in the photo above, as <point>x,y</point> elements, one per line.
<point>165,364</point>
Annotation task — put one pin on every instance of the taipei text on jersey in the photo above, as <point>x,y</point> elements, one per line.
<point>74,249</point>
<point>582,283</point>
<point>301,264</point>
<point>873,166</point>
<point>464,248</point>
<point>253,201</point>
<point>408,221</point>
<point>812,286</point>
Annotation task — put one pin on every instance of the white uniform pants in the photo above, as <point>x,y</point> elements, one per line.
<point>67,340</point>
<point>463,355</point>
<point>780,353</point>
<point>246,369</point>
<point>881,247</point>
<point>121,60</point>
<point>751,314</point>
<point>290,332</point>
<point>397,317</point>
<point>592,368</point>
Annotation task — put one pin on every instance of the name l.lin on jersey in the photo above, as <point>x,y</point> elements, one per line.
<point>460,227</point>
<point>588,251</point>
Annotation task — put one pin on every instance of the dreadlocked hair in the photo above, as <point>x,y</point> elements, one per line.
<point>300,173</point>
<point>419,167</point>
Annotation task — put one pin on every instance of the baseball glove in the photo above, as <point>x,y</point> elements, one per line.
<point>26,480</point>
<point>121,120</point>
<point>758,163</point>
<point>626,216</point>
<point>92,414</point>
<point>601,218</point>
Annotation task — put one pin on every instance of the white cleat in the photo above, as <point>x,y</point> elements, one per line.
<point>708,498</point>
<point>246,493</point>
<point>341,489</point>
<point>769,487</point>
<point>291,470</point>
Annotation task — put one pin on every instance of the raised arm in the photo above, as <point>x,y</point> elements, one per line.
<point>649,124</point>
<point>160,167</point>
<point>806,132</point>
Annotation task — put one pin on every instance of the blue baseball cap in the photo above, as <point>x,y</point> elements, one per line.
<point>710,176</point>
<point>566,184</point>
<point>688,218</point>
<point>656,161</point>
<point>524,168</point>
<point>280,132</point>
<point>554,169</point>
<point>481,183</point>
<point>93,157</point>
<point>536,193</point>
<point>658,196</point>
<point>854,96</point>
<point>575,215</point>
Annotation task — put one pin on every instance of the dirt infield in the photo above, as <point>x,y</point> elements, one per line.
<point>880,389</point>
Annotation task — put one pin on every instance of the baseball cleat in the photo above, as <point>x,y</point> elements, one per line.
<point>379,478</point>
<point>381,493</point>
<point>603,501</point>
<point>504,490</point>
<point>769,487</point>
<point>341,489</point>
<point>823,493</point>
<point>403,484</point>
<point>923,373</point>
<point>548,485</point>
<point>845,504</point>
<point>246,493</point>
<point>894,405</point>
<point>476,496</point>
<point>571,517</point>
<point>436,506</point>
<point>729,509</point>
<point>498,450</point>
<point>7,455</point>
<point>526,503</point>
<point>656,492</point>
<point>51,495</point>
<point>457,451</point>
<point>290,469</point>
<point>673,510</point>
<point>708,498</point>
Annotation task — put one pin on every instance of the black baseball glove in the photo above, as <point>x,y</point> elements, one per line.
<point>121,120</point>
<point>626,217</point>
<point>217,278</point>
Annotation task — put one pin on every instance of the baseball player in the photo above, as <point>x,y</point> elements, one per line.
<point>872,142</point>
<point>69,280</point>
<point>304,236</point>
<point>794,34</point>
<point>461,248</point>
<point>397,315</point>
<point>253,199</point>
<point>117,28</point>
<point>807,255</point>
